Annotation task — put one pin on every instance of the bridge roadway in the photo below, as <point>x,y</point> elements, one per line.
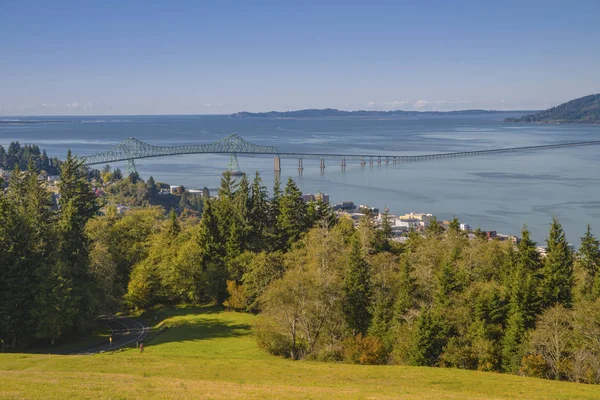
<point>132,149</point>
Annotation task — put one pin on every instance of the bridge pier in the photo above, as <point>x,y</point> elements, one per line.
<point>378,160</point>
<point>300,167</point>
<point>322,163</point>
<point>362,162</point>
<point>371,161</point>
<point>343,163</point>
<point>277,164</point>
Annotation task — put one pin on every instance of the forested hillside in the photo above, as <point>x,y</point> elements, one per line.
<point>324,289</point>
<point>585,110</point>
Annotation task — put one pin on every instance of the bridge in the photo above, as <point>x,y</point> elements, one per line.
<point>132,149</point>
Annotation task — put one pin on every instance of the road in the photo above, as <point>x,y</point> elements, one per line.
<point>124,331</point>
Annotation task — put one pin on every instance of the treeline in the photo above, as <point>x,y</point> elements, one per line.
<point>19,155</point>
<point>325,290</point>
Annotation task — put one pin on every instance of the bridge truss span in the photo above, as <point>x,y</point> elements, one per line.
<point>233,145</point>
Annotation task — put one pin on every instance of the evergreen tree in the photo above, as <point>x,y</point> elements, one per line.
<point>117,175</point>
<point>259,209</point>
<point>357,291</point>
<point>428,340</point>
<point>205,193</point>
<point>291,221</point>
<point>454,226</point>
<point>528,257</point>
<point>434,228</point>
<point>183,200</point>
<point>151,185</point>
<point>557,280</point>
<point>66,302</point>
<point>512,343</point>
<point>407,289</point>
<point>17,275</point>
<point>449,284</point>
<point>106,169</point>
<point>589,259</point>
<point>174,227</point>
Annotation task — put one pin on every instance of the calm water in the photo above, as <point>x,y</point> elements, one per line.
<point>496,192</point>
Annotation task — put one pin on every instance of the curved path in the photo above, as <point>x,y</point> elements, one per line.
<point>124,331</point>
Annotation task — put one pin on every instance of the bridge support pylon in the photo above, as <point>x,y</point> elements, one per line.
<point>300,167</point>
<point>322,163</point>
<point>277,164</point>
<point>343,163</point>
<point>131,166</point>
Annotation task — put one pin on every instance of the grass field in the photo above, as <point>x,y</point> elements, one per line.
<point>210,353</point>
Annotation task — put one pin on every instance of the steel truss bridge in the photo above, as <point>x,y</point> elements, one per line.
<point>132,149</point>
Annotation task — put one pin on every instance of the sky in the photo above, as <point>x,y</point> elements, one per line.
<point>194,57</point>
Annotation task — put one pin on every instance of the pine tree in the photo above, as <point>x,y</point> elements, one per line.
<point>259,214</point>
<point>557,282</point>
<point>528,257</point>
<point>357,291</point>
<point>589,259</point>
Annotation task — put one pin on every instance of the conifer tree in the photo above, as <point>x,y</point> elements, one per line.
<point>151,185</point>
<point>512,342</point>
<point>427,342</point>
<point>291,221</point>
<point>407,289</point>
<point>557,280</point>
<point>173,228</point>
<point>589,259</point>
<point>434,228</point>
<point>454,225</point>
<point>357,291</point>
<point>258,214</point>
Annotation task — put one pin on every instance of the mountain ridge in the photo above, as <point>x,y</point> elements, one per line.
<point>332,112</point>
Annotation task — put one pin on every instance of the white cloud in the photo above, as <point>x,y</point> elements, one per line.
<point>371,104</point>
<point>421,103</point>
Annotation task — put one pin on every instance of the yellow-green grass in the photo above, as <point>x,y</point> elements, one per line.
<point>210,353</point>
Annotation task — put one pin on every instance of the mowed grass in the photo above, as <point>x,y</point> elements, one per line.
<point>210,353</point>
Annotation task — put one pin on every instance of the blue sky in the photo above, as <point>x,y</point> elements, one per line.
<point>194,57</point>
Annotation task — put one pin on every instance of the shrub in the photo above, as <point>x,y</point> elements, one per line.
<point>367,350</point>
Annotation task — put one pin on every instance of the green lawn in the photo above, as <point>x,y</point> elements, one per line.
<point>210,353</point>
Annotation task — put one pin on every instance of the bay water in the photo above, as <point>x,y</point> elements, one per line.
<point>494,192</point>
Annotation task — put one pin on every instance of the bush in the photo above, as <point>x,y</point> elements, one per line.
<point>367,350</point>
<point>238,298</point>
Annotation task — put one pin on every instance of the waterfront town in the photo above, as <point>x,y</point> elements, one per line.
<point>401,224</point>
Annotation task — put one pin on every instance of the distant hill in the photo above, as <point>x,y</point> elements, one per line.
<point>585,110</point>
<point>331,112</point>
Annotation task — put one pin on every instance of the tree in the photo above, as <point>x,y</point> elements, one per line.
<point>454,225</point>
<point>152,190</point>
<point>291,221</point>
<point>512,350</point>
<point>357,292</point>
<point>427,341</point>
<point>552,338</point>
<point>66,297</point>
<point>434,228</point>
<point>183,200</point>
<point>258,216</point>
<point>557,279</point>
<point>589,260</point>
<point>117,175</point>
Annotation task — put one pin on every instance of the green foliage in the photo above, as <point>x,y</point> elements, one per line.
<point>589,261</point>
<point>357,291</point>
<point>557,284</point>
